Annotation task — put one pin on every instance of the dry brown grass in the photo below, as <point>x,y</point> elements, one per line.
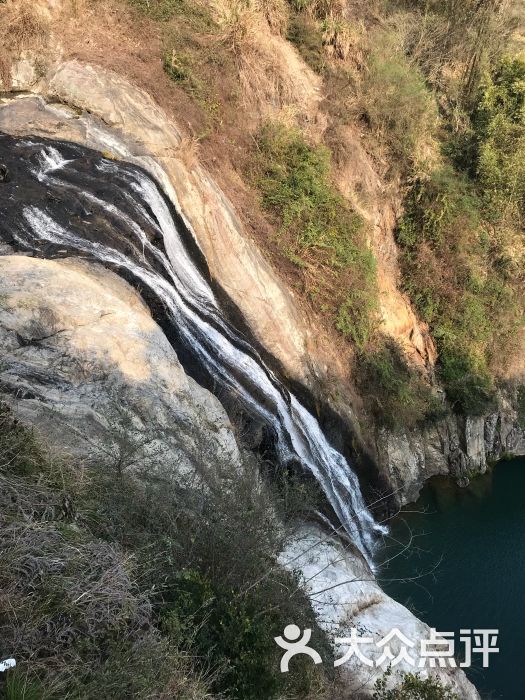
<point>244,17</point>
<point>65,594</point>
<point>241,25</point>
<point>338,38</point>
<point>188,152</point>
<point>263,86</point>
<point>23,27</point>
<point>327,8</point>
<point>269,75</point>
<point>276,13</point>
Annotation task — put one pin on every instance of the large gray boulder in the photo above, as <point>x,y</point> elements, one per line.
<point>82,359</point>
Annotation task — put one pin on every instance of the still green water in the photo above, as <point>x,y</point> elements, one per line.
<point>469,547</point>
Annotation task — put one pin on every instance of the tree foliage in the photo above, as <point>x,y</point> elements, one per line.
<point>499,128</point>
<point>462,240</point>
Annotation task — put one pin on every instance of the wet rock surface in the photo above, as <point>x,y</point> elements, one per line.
<point>346,596</point>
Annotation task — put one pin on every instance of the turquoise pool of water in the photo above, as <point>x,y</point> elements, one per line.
<point>468,557</point>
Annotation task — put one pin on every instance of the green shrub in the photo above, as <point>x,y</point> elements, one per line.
<point>490,144</point>
<point>413,687</point>
<point>229,630</point>
<point>317,226</point>
<point>397,394</point>
<point>73,612</point>
<point>469,387</point>
<point>294,180</point>
<point>354,316</point>
<point>459,284</point>
<point>438,210</point>
<point>499,123</point>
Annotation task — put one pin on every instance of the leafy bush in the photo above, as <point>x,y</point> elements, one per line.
<point>355,314</point>
<point>413,687</point>
<point>469,386</point>
<point>438,209</point>
<point>398,395</point>
<point>317,227</point>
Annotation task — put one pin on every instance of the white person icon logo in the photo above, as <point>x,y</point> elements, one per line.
<point>293,647</point>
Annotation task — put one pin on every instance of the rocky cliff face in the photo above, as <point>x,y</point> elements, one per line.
<point>84,362</point>
<point>100,109</point>
<point>462,447</point>
<point>66,360</point>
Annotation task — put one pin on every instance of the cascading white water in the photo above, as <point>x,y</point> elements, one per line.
<point>191,306</point>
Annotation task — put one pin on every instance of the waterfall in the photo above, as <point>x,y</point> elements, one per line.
<point>69,199</point>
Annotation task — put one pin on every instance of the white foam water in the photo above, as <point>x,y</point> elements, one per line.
<point>192,308</point>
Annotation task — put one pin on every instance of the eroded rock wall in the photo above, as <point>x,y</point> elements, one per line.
<point>462,447</point>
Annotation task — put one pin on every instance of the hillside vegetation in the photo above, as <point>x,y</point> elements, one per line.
<point>113,586</point>
<point>436,90</point>
<point>462,236</point>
